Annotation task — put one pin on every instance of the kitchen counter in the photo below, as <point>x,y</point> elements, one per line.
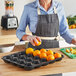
<point>63,66</point>
<point>9,36</point>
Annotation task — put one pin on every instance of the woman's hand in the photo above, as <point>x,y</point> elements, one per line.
<point>73,41</point>
<point>31,39</point>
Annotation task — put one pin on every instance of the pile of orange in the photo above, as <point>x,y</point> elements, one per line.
<point>72,26</point>
<point>42,53</point>
<point>71,50</point>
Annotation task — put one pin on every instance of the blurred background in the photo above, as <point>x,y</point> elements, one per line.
<point>69,5</point>
<point>9,36</point>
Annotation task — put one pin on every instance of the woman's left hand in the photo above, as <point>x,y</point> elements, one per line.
<point>73,41</point>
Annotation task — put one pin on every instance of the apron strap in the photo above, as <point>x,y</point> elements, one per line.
<point>38,10</point>
<point>50,38</point>
<point>55,11</point>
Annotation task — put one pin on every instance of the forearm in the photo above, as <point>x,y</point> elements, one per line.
<point>68,37</point>
<point>20,32</point>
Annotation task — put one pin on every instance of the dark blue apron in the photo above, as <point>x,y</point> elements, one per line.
<point>47,26</point>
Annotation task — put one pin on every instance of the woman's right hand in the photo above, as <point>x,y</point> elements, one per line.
<point>31,39</point>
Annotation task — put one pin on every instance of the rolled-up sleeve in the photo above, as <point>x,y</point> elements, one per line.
<point>63,25</point>
<point>23,23</point>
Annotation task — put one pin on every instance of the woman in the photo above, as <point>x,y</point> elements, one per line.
<point>45,19</point>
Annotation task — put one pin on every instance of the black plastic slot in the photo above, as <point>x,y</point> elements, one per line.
<point>27,62</point>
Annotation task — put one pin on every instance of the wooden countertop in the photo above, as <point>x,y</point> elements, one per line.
<point>9,36</point>
<point>66,65</point>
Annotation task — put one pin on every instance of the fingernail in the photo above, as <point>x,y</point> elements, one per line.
<point>33,45</point>
<point>37,42</point>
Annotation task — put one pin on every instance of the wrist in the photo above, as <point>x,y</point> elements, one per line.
<point>73,41</point>
<point>25,37</point>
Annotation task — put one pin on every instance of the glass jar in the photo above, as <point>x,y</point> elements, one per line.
<point>9,7</point>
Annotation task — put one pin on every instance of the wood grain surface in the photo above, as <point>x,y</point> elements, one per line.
<point>66,65</point>
<point>9,36</point>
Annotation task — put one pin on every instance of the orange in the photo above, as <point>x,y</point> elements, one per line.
<point>71,49</point>
<point>75,25</point>
<point>49,52</point>
<point>43,55</point>
<point>72,26</point>
<point>43,50</point>
<point>36,53</point>
<point>50,57</point>
<point>57,55</point>
<point>37,44</point>
<point>29,51</point>
<point>67,50</point>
